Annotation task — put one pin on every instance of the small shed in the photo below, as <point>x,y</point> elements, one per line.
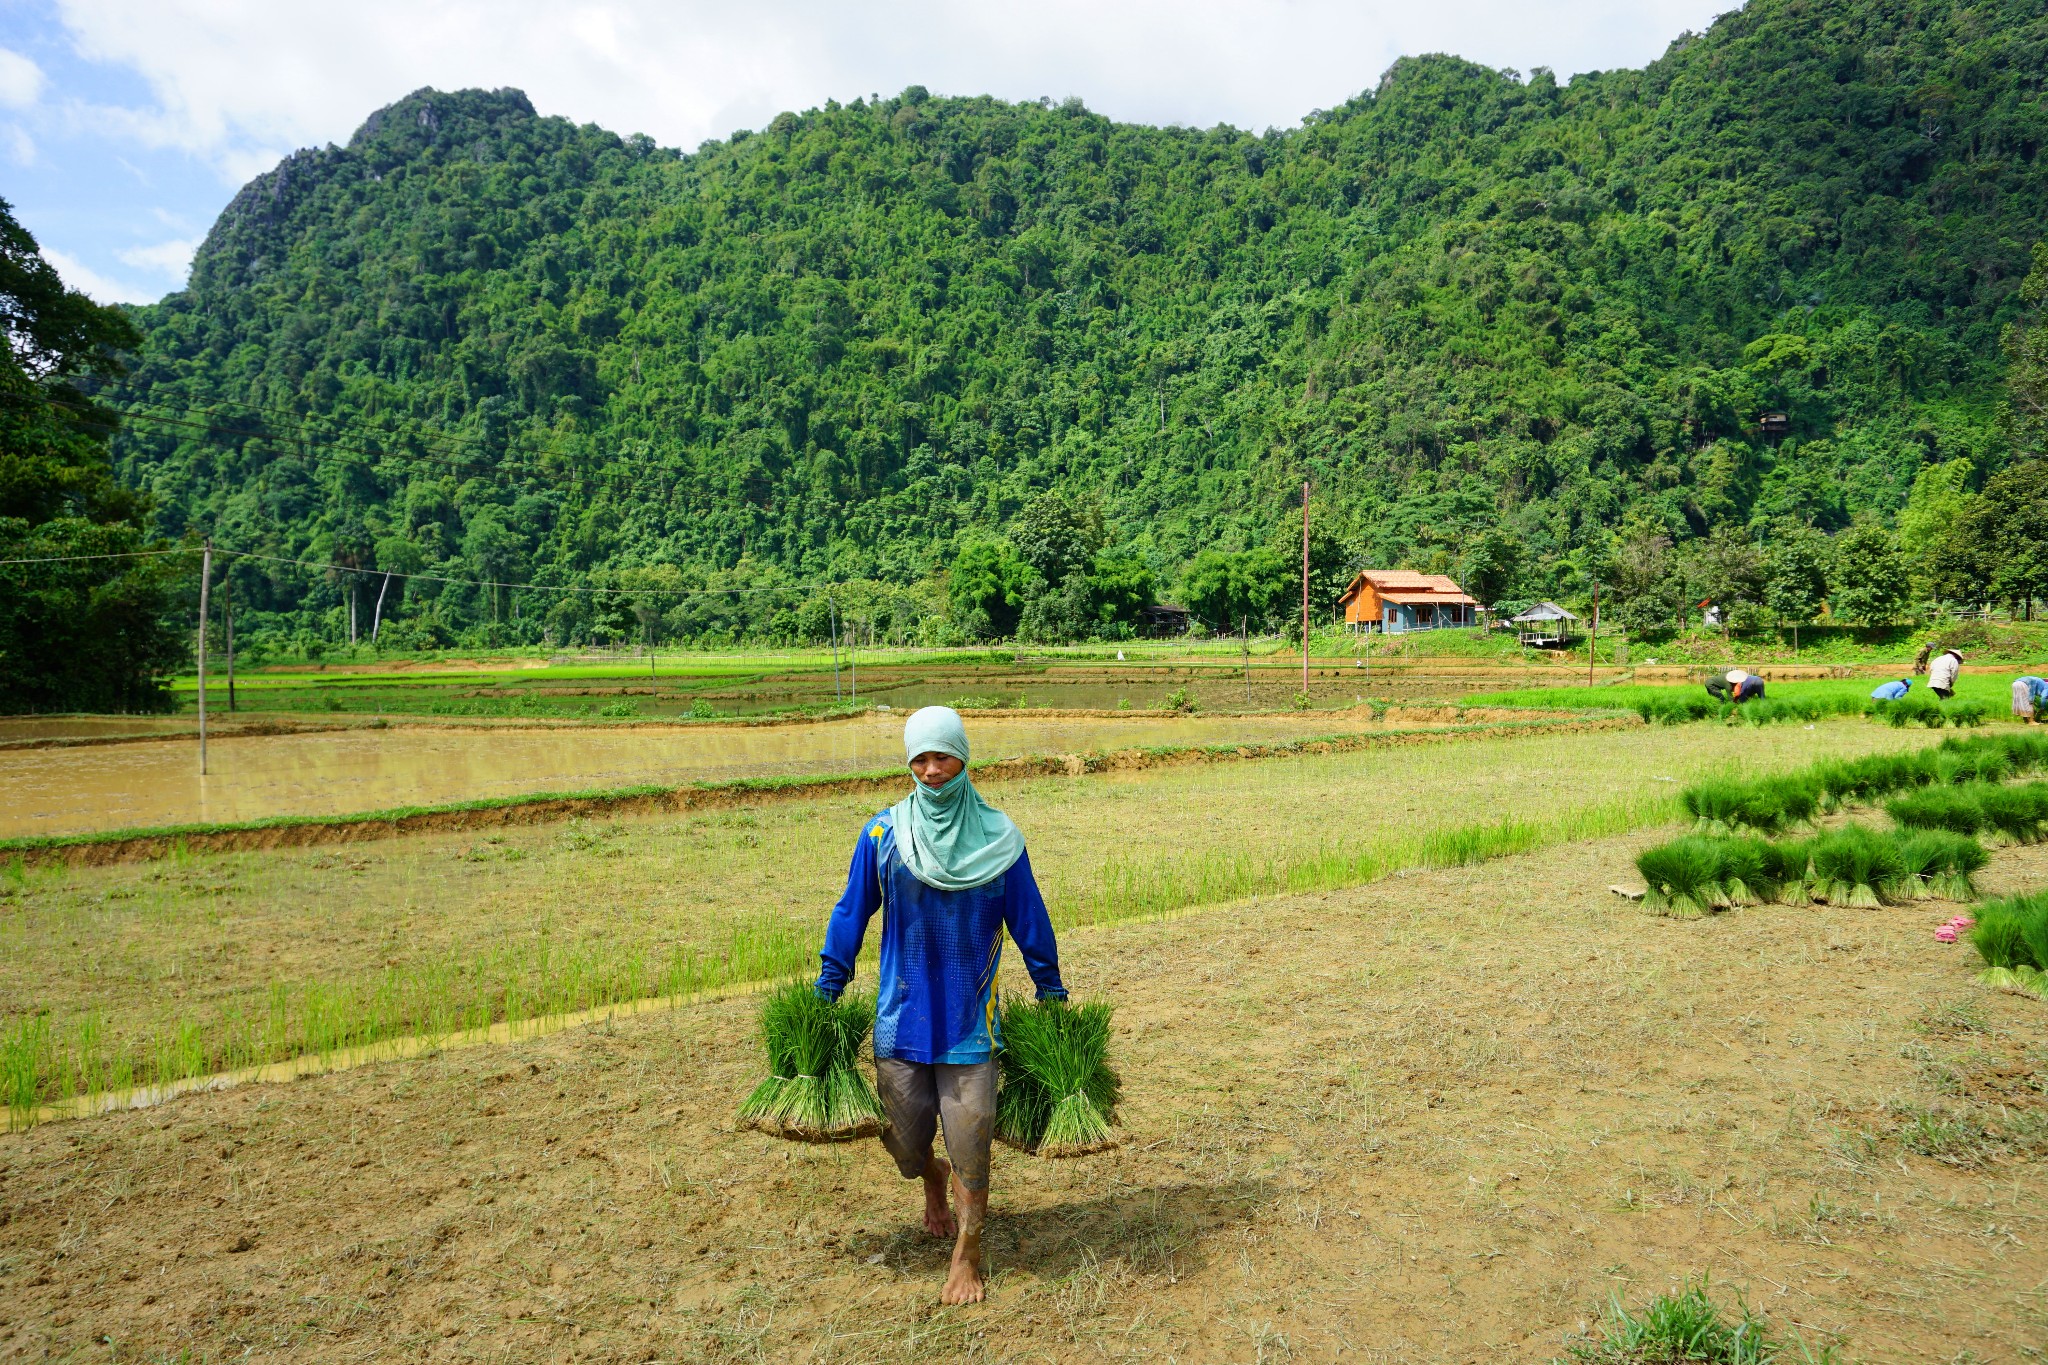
<point>1543,625</point>
<point>1162,620</point>
<point>1396,601</point>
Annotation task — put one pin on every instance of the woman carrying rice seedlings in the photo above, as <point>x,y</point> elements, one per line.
<point>950,874</point>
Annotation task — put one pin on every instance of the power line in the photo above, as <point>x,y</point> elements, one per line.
<point>128,554</point>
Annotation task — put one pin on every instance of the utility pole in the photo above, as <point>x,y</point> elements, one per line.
<point>832,615</point>
<point>227,618</point>
<point>1593,645</point>
<point>1304,589</point>
<point>205,578</point>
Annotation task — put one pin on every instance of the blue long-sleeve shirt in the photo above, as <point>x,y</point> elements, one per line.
<point>936,999</point>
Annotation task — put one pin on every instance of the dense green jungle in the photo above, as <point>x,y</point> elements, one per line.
<point>1004,368</point>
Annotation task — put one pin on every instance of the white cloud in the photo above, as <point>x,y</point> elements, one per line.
<point>82,277</point>
<point>171,260</point>
<point>20,148</point>
<point>21,80</point>
<point>239,81</point>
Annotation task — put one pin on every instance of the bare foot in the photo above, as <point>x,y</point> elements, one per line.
<point>963,1279</point>
<point>938,1214</point>
<point>963,1283</point>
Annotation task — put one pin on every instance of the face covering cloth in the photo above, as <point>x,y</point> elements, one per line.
<point>949,838</point>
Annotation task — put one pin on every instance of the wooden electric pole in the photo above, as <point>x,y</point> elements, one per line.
<point>1304,590</point>
<point>205,579</point>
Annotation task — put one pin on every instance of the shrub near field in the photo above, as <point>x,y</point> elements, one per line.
<point>191,964</point>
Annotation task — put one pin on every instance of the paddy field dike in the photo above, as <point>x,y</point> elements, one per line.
<point>1405,1078</point>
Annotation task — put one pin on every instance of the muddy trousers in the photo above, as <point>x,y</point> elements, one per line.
<point>919,1097</point>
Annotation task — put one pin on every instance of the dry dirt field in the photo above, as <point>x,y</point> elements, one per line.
<point>1439,1118</point>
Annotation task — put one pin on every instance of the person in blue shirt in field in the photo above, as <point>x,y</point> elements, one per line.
<point>2029,695</point>
<point>949,873</point>
<point>1892,691</point>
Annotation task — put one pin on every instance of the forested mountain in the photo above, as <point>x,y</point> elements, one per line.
<point>856,342</point>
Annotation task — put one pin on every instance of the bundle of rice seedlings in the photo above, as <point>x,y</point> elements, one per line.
<point>1852,864</point>
<point>1058,1094</point>
<point>815,1090</point>
<point>1778,801</point>
<point>1741,879</point>
<point>1683,876</point>
<point>1937,863</point>
<point>1715,804</point>
<point>1946,808</point>
<point>2016,813</point>
<point>2011,935</point>
<point>1967,713</point>
<point>1785,866</point>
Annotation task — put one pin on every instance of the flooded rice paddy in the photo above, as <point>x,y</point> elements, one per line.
<point>76,790</point>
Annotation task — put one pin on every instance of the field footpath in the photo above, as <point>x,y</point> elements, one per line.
<point>116,846</point>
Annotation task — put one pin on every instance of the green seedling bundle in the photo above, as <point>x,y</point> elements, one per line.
<point>2012,814</point>
<point>1058,1093</point>
<point>815,1090</point>
<point>1855,865</point>
<point>1768,804</point>
<point>2011,935</point>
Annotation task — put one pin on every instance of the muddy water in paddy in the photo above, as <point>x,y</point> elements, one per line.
<point>65,791</point>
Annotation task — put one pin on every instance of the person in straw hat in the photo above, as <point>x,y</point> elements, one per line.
<point>950,874</point>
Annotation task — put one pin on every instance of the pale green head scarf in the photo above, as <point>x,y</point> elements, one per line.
<point>949,838</point>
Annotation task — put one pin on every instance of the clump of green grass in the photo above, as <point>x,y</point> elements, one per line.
<point>1684,1327</point>
<point>815,1090</point>
<point>1058,1094</point>
<point>2011,936</point>
<point>1855,865</point>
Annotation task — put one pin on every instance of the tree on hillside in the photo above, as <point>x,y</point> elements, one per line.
<point>76,634</point>
<point>1239,590</point>
<point>1727,570</point>
<point>1649,588</point>
<point>1868,581</point>
<point>1492,566</point>
<point>2026,351</point>
<point>1795,569</point>
<point>987,589</point>
<point>1928,522</point>
<point>1999,552</point>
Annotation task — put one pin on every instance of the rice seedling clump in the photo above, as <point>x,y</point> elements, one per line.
<point>1938,863</point>
<point>1683,876</point>
<point>1954,809</point>
<point>1853,865</point>
<point>1057,1094</point>
<point>815,1090</point>
<point>2011,935</point>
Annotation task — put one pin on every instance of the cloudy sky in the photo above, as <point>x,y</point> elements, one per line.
<point>125,125</point>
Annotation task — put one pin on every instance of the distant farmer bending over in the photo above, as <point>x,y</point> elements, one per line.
<point>1891,691</point>
<point>1941,674</point>
<point>949,873</point>
<point>1735,685</point>
<point>2029,695</point>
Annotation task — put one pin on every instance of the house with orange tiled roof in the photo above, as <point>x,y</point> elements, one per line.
<point>1399,600</point>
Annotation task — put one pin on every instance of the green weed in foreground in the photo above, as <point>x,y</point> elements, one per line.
<point>1684,1327</point>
